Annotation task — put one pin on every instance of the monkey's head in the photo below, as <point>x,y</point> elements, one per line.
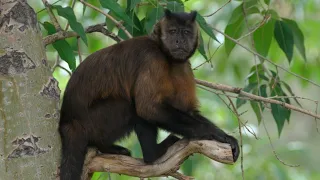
<point>177,34</point>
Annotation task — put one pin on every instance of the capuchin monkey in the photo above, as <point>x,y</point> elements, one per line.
<point>140,85</point>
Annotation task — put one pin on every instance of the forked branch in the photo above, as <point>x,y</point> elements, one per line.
<point>167,165</point>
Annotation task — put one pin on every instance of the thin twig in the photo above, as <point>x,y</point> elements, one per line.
<point>254,52</point>
<point>315,119</point>
<point>218,9</point>
<point>289,97</point>
<point>94,28</point>
<point>45,7</point>
<point>225,94</point>
<point>265,19</point>
<point>239,91</point>
<point>209,60</point>
<point>240,132</point>
<point>69,72</point>
<point>118,24</point>
<point>51,15</point>
<point>273,150</point>
<point>79,51</point>
<point>152,4</point>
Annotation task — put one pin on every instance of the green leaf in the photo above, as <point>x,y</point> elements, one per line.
<point>255,107</point>
<point>263,90</point>
<point>263,36</point>
<point>267,2</point>
<point>201,48</point>
<point>238,12</point>
<point>152,17</point>
<point>67,12</point>
<point>175,6</point>
<point>291,92</point>
<point>109,23</point>
<point>252,76</point>
<point>279,115</point>
<point>131,4</point>
<point>63,48</point>
<point>236,24</point>
<point>297,36</point>
<point>287,100</point>
<point>134,32</point>
<point>113,6</point>
<point>205,27</point>
<point>233,30</point>
<point>248,88</point>
<point>249,3</point>
<point>256,110</point>
<point>284,37</point>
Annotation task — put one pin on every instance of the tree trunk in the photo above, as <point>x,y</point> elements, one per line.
<point>29,98</point>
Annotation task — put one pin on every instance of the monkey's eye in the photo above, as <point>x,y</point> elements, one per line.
<point>186,31</point>
<point>172,31</point>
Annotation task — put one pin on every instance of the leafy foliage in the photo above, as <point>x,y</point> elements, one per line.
<point>62,46</point>
<point>284,37</point>
<point>68,13</point>
<point>139,17</point>
<point>119,12</point>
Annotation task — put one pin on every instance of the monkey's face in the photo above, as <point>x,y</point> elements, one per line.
<point>179,35</point>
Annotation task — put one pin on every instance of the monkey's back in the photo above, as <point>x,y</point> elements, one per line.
<point>111,72</point>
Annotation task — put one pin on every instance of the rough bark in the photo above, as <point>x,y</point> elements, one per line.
<point>29,97</point>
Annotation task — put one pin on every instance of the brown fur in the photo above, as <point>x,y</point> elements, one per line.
<point>141,84</point>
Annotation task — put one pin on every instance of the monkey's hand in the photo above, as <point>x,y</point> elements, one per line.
<point>234,146</point>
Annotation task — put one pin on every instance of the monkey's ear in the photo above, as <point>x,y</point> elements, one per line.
<point>156,32</point>
<point>193,15</point>
<point>167,13</point>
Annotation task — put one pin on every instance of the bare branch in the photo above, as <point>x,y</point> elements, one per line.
<point>218,9</point>
<point>118,24</point>
<point>240,132</point>
<point>67,34</point>
<point>167,165</point>
<point>239,91</point>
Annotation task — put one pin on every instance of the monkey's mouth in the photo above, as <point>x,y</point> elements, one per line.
<point>180,50</point>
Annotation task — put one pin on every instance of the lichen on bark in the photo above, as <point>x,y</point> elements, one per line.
<point>29,98</point>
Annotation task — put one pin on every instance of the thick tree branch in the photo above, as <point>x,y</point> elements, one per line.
<point>226,88</point>
<point>67,34</point>
<point>167,165</point>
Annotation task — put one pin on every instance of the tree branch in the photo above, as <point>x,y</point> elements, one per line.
<point>52,17</point>
<point>167,165</point>
<point>67,34</point>
<point>118,24</point>
<point>239,91</point>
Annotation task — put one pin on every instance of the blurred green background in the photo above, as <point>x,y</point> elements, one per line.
<point>299,142</point>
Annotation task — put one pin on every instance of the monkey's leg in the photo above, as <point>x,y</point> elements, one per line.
<point>147,135</point>
<point>112,121</point>
<point>193,126</point>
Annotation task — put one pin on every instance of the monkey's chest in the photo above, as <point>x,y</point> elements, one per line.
<point>184,97</point>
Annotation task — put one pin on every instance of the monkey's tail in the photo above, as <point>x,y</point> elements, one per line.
<point>74,149</point>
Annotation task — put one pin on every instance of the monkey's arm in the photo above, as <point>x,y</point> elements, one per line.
<point>190,125</point>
